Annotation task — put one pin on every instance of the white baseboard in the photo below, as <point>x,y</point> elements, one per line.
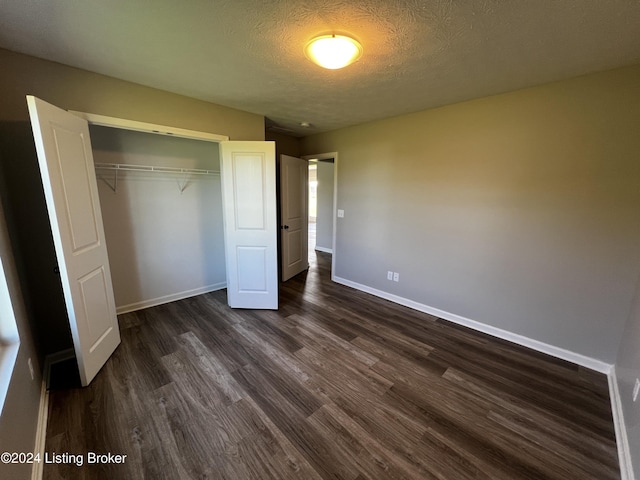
<point>622,440</point>
<point>324,249</point>
<point>552,350</point>
<point>43,410</point>
<point>132,307</point>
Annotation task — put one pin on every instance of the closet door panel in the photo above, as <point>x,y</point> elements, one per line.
<point>250,218</point>
<point>68,178</point>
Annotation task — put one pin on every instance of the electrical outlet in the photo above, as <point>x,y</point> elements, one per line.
<point>636,389</point>
<point>396,277</point>
<point>389,275</point>
<point>340,213</point>
<point>30,363</point>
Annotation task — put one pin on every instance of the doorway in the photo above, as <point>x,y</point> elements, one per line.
<point>313,207</point>
<point>321,189</point>
<point>323,193</point>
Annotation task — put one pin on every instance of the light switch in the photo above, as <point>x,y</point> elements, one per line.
<point>340,213</point>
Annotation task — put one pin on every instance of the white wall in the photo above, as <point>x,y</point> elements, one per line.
<point>324,221</point>
<point>627,371</point>
<point>162,244</point>
<point>518,211</point>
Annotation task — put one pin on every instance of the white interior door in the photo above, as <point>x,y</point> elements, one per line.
<point>294,215</point>
<point>248,172</point>
<point>69,181</point>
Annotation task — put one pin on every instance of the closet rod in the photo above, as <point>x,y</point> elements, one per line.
<point>153,168</point>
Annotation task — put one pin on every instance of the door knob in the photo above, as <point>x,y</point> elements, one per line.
<point>285,227</point>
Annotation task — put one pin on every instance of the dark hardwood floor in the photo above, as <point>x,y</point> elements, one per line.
<point>337,384</point>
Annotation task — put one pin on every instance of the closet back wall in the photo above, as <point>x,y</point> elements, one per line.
<point>163,244</point>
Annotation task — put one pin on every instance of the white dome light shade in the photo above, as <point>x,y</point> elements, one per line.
<point>333,51</point>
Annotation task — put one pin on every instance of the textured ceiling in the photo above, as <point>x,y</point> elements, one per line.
<point>248,54</point>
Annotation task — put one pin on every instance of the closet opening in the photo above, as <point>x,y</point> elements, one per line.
<point>161,204</point>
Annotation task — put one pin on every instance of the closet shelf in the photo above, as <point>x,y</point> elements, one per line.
<point>182,180</point>
<point>154,168</point>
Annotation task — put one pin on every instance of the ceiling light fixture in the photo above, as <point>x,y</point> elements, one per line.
<point>333,51</point>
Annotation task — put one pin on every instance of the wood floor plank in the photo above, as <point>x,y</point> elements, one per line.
<point>294,459</point>
<point>264,352</point>
<point>455,434</point>
<point>354,448</point>
<point>407,466</point>
<point>311,334</point>
<point>209,364</point>
<point>573,436</point>
<point>547,446</point>
<point>336,384</point>
<point>598,423</point>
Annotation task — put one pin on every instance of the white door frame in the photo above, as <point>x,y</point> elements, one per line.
<point>134,125</point>
<point>328,156</point>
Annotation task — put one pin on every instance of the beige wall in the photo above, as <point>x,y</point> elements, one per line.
<point>285,144</point>
<point>75,89</point>
<point>519,211</point>
<point>23,199</point>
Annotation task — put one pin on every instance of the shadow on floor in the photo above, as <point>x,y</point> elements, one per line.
<point>64,375</point>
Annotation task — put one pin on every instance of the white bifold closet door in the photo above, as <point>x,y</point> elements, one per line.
<point>69,181</point>
<point>71,192</point>
<point>248,172</point>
